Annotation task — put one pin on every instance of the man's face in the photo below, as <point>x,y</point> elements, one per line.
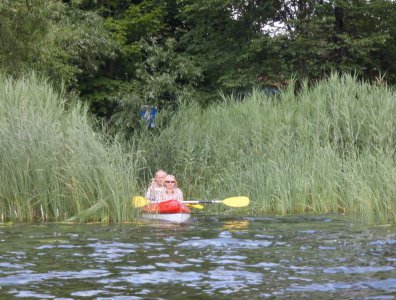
<point>159,178</point>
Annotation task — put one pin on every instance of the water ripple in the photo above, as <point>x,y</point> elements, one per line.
<point>31,294</point>
<point>156,277</point>
<point>383,242</point>
<point>358,270</point>
<point>28,277</point>
<point>325,287</point>
<point>172,265</point>
<point>225,243</point>
<point>386,285</point>
<point>210,258</point>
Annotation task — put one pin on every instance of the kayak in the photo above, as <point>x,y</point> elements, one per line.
<point>170,211</point>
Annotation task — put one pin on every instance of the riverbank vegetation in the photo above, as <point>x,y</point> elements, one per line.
<point>248,98</point>
<point>54,166</point>
<point>328,149</point>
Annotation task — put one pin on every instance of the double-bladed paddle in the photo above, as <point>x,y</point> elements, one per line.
<point>240,201</point>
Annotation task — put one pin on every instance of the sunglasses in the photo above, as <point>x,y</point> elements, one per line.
<point>170,181</point>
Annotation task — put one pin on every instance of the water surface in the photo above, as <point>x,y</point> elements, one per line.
<point>318,257</point>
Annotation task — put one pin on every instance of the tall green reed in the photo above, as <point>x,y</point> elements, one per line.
<point>54,167</point>
<point>328,149</point>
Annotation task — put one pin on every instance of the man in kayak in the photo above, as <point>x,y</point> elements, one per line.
<point>157,186</point>
<point>171,191</point>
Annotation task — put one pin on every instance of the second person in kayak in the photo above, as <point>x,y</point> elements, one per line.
<point>171,190</point>
<point>157,186</point>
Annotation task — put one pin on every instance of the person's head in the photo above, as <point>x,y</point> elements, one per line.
<point>159,177</point>
<point>170,182</point>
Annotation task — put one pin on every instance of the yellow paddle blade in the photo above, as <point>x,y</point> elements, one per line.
<point>236,201</point>
<point>139,201</point>
<point>197,206</point>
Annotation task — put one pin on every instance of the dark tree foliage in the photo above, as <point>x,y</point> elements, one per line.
<point>340,35</point>
<point>57,40</point>
<point>229,40</point>
<point>122,54</point>
<point>150,67</point>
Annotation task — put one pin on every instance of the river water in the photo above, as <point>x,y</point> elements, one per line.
<point>211,257</point>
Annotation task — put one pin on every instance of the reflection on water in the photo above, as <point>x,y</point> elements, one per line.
<point>207,258</point>
<point>236,225</point>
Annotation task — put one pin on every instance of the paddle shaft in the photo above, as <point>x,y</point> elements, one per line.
<point>202,201</point>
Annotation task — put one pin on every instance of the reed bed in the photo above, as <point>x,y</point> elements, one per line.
<point>54,167</point>
<point>329,149</point>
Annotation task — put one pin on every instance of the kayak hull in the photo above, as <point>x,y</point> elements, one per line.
<point>169,211</point>
<point>174,218</point>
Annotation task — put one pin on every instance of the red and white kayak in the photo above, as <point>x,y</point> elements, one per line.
<point>170,211</point>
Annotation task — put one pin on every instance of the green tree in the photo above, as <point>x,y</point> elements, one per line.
<point>340,35</point>
<point>223,36</point>
<point>385,56</point>
<point>150,67</point>
<point>22,25</point>
<point>128,23</point>
<point>54,38</point>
